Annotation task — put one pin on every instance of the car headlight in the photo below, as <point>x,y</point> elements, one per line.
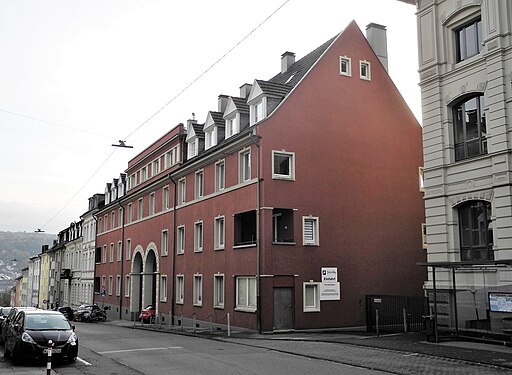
<point>26,338</point>
<point>72,339</point>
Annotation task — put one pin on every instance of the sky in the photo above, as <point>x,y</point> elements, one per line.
<point>78,76</point>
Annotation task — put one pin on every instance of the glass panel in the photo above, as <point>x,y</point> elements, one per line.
<point>282,165</point>
<point>471,118</point>
<point>252,292</point>
<point>471,40</point>
<point>242,292</point>
<point>310,295</point>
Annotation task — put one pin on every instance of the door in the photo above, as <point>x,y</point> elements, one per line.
<point>283,308</point>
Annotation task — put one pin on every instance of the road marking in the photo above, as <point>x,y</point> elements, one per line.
<point>140,349</point>
<point>83,361</point>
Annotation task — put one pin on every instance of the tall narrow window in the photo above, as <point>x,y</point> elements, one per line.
<point>220,175</point>
<point>180,289</point>
<point>165,198</point>
<point>198,236</point>
<point>165,242</point>
<point>245,166</point>
<point>469,40</point>
<point>152,203</point>
<point>113,219</point>
<point>219,234</point>
<point>111,258</point>
<point>120,217</point>
<point>118,285</point>
<point>470,128</point>
<point>128,249</point>
<point>104,254</point>
<point>310,231</point>
<point>198,290</point>
<point>199,186</point>
<point>181,191</point>
<point>311,293</point>
<point>110,284</point>
<point>119,250</point>
<point>218,291</point>
<point>130,213</point>
<point>163,288</point>
<point>475,228</point>
<point>140,208</point>
<point>127,286</point>
<point>180,248</point>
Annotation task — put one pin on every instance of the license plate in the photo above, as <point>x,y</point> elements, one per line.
<point>45,351</point>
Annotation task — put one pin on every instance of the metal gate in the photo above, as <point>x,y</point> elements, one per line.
<point>395,313</point>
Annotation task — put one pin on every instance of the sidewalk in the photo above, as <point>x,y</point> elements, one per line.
<point>410,344</point>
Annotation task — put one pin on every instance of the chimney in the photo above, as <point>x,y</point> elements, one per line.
<point>287,59</point>
<point>245,90</point>
<point>223,102</point>
<point>376,36</point>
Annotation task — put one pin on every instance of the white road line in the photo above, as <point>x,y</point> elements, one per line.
<point>82,361</point>
<point>140,349</point>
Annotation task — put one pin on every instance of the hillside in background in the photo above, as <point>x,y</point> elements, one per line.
<point>15,250</point>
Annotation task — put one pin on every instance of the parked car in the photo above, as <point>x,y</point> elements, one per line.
<point>147,314</point>
<point>28,335</point>
<point>67,311</point>
<point>90,313</point>
<point>8,319</point>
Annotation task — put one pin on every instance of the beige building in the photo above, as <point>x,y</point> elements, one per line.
<point>465,67</point>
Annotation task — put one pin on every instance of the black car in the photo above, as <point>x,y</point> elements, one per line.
<point>28,335</point>
<point>67,311</point>
<point>8,319</point>
<point>90,313</point>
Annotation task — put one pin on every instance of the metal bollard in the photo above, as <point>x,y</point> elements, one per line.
<point>49,362</point>
<point>404,313</point>
<point>377,320</point>
<point>229,327</point>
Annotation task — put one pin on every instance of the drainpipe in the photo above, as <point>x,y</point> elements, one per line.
<point>256,139</point>
<point>122,263</point>
<point>173,271</point>
<point>95,217</point>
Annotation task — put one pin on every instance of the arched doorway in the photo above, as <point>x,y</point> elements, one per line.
<point>136,277</point>
<point>150,282</point>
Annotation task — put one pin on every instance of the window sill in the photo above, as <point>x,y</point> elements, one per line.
<point>198,304</point>
<point>311,245</point>
<point>198,251</point>
<point>284,243</point>
<point>245,309</point>
<point>179,302</point>
<point>218,249</point>
<point>180,253</point>
<point>283,177</point>
<point>219,307</point>
<point>309,310</point>
<point>244,246</point>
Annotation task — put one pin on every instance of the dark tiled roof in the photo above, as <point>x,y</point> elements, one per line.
<point>241,105</point>
<point>300,67</point>
<point>217,118</point>
<point>198,129</point>
<point>274,88</point>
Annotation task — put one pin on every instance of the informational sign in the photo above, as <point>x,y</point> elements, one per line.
<point>330,287</point>
<point>500,302</point>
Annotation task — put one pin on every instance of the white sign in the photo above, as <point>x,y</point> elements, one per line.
<point>329,275</point>
<point>330,291</point>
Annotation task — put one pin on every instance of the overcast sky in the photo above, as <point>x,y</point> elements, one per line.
<point>77,76</point>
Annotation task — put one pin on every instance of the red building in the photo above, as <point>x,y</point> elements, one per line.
<point>314,170</point>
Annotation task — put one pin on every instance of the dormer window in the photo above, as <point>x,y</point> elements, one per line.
<point>193,148</point>
<point>257,112</point>
<point>232,127</point>
<point>210,137</point>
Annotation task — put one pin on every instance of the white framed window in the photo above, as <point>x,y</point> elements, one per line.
<point>220,175</point>
<point>105,223</point>
<point>103,283</point>
<point>118,285</point>
<point>180,289</point>
<point>120,217</point>
<point>231,127</point>
<point>345,66</point>
<point>104,254</point>
<point>165,198</point>
<point>111,255</point>
<point>156,167</point>
<point>198,236</point>
<point>310,231</point>
<point>311,296</point>
<point>218,291</point>
<point>244,166</point>
<point>130,213</point>
<point>165,242</point>
<point>246,293</point>
<point>197,291</point>
<point>144,174</point>
<point>182,190</point>
<point>180,248</point>
<point>219,235</point>
<point>163,288</point>
<point>128,254</point>
<point>258,112</point>
<point>364,70</point>
<point>283,165</point>
<point>127,286</point>
<point>210,137</point>
<point>99,225</point>
<point>110,284</point>
<point>140,208</point>
<point>199,184</point>
<point>152,203</point>
<point>113,219</point>
<point>119,250</point>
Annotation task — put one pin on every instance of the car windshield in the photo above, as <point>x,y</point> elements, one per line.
<point>45,322</point>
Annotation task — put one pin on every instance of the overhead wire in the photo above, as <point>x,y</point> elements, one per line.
<point>168,103</point>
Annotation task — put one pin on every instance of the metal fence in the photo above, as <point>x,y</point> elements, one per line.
<point>395,313</point>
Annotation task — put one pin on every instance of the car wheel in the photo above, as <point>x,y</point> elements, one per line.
<point>152,320</point>
<point>71,359</point>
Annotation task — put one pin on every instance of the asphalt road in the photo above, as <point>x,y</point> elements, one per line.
<point>108,349</point>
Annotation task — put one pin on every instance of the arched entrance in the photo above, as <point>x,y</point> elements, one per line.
<point>150,282</point>
<point>136,278</point>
